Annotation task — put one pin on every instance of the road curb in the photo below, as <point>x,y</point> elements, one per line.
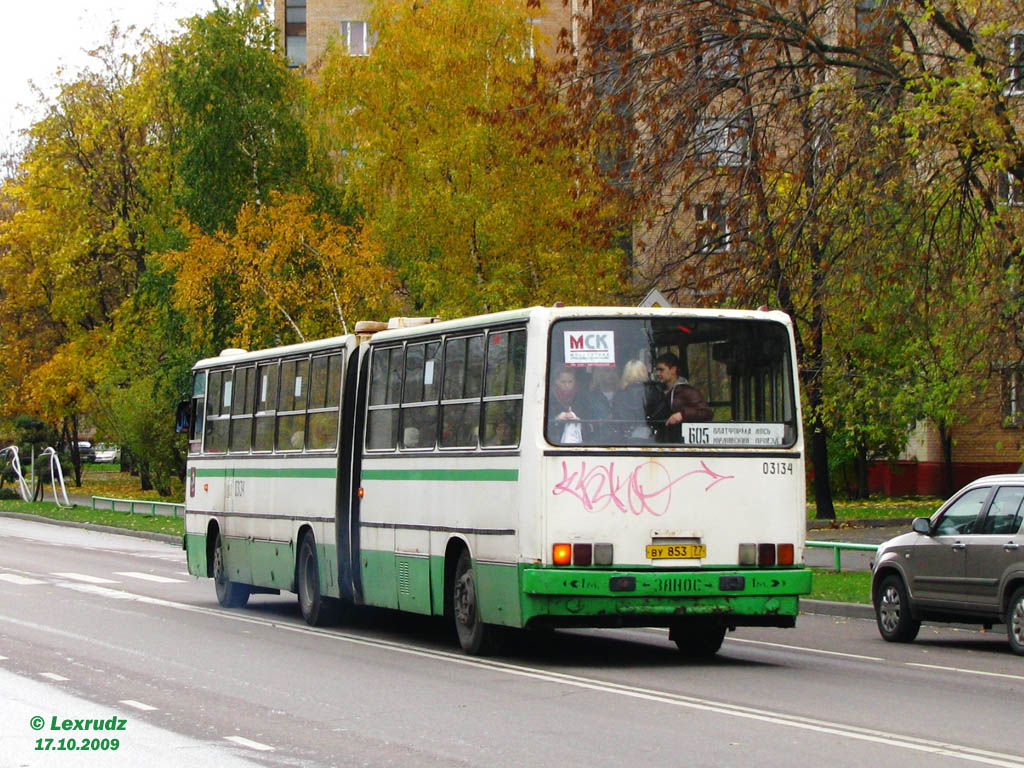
<point>830,608</point>
<point>166,538</point>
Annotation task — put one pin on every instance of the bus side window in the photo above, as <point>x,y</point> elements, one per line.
<point>324,396</point>
<point>503,403</point>
<point>198,412</point>
<point>218,412</point>
<point>385,395</point>
<point>419,398</point>
<point>291,409</point>
<point>460,393</point>
<point>241,410</point>
<point>266,406</point>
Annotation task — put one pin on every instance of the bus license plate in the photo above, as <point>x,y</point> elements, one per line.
<point>676,551</point>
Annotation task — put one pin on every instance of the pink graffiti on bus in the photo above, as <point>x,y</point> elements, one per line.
<point>647,489</point>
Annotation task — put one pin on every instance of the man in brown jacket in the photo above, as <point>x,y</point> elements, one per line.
<point>683,402</point>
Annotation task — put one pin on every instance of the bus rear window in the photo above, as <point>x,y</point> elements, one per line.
<point>714,382</point>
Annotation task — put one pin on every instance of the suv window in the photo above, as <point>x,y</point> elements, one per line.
<point>961,516</point>
<point>1004,514</point>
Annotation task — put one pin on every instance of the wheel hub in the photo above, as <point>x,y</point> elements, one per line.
<point>889,609</point>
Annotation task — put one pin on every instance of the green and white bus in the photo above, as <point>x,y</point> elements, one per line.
<point>447,468</point>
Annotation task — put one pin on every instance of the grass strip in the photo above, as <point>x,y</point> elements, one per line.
<point>881,508</point>
<point>137,522</point>
<point>843,587</point>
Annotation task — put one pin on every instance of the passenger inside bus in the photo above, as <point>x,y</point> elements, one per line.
<point>637,397</point>
<point>680,401</point>
<point>569,413</point>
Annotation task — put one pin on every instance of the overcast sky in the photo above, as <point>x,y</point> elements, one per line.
<point>40,38</point>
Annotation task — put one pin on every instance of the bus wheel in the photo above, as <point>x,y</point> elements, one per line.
<point>308,577</point>
<point>475,637</point>
<point>698,639</point>
<point>230,594</point>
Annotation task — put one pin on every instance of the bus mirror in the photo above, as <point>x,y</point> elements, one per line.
<point>183,417</point>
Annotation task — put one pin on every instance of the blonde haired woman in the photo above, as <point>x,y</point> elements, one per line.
<point>632,404</point>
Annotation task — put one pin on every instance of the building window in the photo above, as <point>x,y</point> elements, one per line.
<point>1013,396</point>
<point>357,37</point>
<point>714,229</point>
<point>1011,190</point>
<point>1015,70</point>
<point>718,56</point>
<point>295,32</point>
<point>722,142</point>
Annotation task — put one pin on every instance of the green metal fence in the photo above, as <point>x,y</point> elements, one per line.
<point>129,506</point>
<point>838,547</point>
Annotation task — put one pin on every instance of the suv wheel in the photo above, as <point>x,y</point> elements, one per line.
<point>892,611</point>
<point>1015,622</point>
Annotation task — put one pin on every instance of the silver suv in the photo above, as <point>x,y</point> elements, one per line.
<point>964,563</point>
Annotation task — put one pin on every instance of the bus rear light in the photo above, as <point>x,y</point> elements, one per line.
<point>785,554</point>
<point>748,554</point>
<point>582,554</point>
<point>561,554</point>
<point>765,554</point>
<point>603,554</point>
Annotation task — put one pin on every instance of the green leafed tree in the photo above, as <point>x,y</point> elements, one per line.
<point>238,133</point>
<point>462,161</point>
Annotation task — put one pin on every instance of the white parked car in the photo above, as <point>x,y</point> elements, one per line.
<point>106,454</point>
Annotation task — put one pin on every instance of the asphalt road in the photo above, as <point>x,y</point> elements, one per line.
<point>95,626</point>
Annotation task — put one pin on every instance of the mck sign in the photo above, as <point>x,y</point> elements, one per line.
<point>589,347</point>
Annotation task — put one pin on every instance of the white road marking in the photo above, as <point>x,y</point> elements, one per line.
<point>93,589</point>
<point>85,577</point>
<point>14,578</point>
<point>3,658</point>
<point>53,676</point>
<point>806,650</point>
<point>249,743</point>
<point>966,671</point>
<point>148,577</point>
<point>137,705</point>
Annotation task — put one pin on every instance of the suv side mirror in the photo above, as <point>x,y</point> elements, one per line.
<point>921,525</point>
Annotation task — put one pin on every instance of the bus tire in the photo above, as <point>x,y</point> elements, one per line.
<point>307,576</point>
<point>698,639</point>
<point>475,637</point>
<point>230,594</point>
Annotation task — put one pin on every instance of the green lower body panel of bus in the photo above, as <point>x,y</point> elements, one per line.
<point>571,597</point>
<point>261,563</point>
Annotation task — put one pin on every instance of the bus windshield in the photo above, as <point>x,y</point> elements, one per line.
<point>716,382</point>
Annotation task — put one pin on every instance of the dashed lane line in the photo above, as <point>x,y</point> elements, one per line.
<point>241,740</point>
<point>85,577</point>
<point>148,577</point>
<point>137,705</point>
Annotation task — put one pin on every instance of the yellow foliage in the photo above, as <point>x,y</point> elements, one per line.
<point>286,266</point>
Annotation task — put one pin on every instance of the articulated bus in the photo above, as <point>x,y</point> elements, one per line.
<point>500,471</point>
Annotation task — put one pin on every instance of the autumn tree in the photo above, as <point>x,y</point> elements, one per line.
<point>460,158</point>
<point>74,242</point>
<point>775,153</point>
<point>288,272</point>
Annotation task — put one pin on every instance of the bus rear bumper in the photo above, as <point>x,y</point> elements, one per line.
<point>571,597</point>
